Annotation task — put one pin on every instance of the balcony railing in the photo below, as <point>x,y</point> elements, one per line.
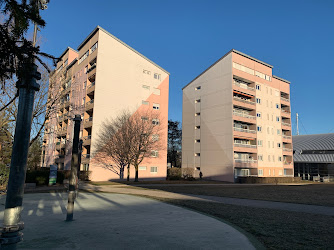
<point>285,99</point>
<point>286,136</point>
<point>86,156</point>
<point>90,102</point>
<point>91,68</point>
<point>286,124</point>
<point>91,85</point>
<point>244,130</point>
<point>245,160</point>
<point>244,145</point>
<point>287,163</point>
<point>243,115</point>
<point>287,149</point>
<point>90,119</point>
<point>88,137</point>
<point>244,86</point>
<point>285,111</point>
<point>243,100</point>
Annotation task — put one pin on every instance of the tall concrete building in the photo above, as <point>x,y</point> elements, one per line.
<point>236,121</point>
<point>99,80</point>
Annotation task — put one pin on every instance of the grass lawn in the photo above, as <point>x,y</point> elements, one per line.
<point>101,183</point>
<point>275,229</point>
<point>315,194</point>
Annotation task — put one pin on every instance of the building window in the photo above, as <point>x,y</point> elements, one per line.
<point>198,114</point>
<point>156,91</point>
<point>267,130</point>
<point>280,172</point>
<point>142,168</point>
<point>154,153</point>
<point>144,118</point>
<point>243,68</point>
<point>278,131</point>
<point>93,48</point>
<point>145,102</point>
<point>155,137</point>
<point>197,154</point>
<point>260,172</point>
<point>272,144</point>
<point>258,87</point>
<point>258,115</point>
<point>146,87</point>
<point>260,157</point>
<point>277,106</point>
<point>198,88</point>
<point>154,169</point>
<point>260,143</point>
<point>279,145</point>
<point>269,159</point>
<point>259,128</point>
<point>277,118</point>
<point>198,100</point>
<point>268,144</point>
<point>197,127</point>
<point>258,100</point>
<point>156,106</point>
<point>155,121</point>
<point>157,76</point>
<point>84,56</point>
<point>197,141</point>
<point>146,72</point>
<point>279,158</point>
<point>86,68</point>
<point>285,172</point>
<point>66,62</point>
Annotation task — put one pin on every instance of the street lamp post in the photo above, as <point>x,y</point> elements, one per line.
<point>12,224</point>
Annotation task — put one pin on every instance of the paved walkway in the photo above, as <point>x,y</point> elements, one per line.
<point>120,221</point>
<point>124,189</point>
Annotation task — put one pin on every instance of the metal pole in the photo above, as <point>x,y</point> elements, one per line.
<point>12,224</point>
<point>74,169</point>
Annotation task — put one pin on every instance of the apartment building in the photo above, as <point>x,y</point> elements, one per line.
<point>99,80</point>
<point>236,121</point>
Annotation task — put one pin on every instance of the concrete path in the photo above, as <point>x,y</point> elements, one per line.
<point>124,189</point>
<point>119,221</point>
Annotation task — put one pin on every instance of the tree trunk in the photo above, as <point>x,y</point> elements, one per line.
<point>128,178</point>
<point>121,173</point>
<point>136,177</point>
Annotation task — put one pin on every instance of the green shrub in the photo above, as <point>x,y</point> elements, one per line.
<point>42,180</point>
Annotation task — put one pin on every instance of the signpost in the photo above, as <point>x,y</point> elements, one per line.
<point>53,175</point>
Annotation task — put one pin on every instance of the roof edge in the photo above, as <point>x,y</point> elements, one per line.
<point>281,79</point>
<point>120,41</point>
<point>72,63</point>
<point>252,58</point>
<point>68,48</point>
<point>208,68</point>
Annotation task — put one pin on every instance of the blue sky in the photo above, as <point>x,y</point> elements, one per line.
<point>185,37</point>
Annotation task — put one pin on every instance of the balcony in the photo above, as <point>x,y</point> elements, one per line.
<point>243,87</point>
<point>60,159</point>
<point>88,122</point>
<point>244,145</point>
<point>244,130</point>
<point>287,151</point>
<point>87,140</point>
<point>89,105</point>
<point>245,163</point>
<point>91,68</point>
<point>91,88</point>
<point>285,113</point>
<point>244,114</point>
<point>286,126</point>
<point>62,131</point>
<point>244,117</point>
<point>287,164</point>
<point>286,138</point>
<point>245,148</point>
<point>60,145</point>
<point>243,102</point>
<point>85,158</point>
<point>66,103</point>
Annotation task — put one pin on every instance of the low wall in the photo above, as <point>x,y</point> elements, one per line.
<point>269,180</point>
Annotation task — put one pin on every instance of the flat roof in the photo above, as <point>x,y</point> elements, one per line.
<point>281,79</point>
<point>65,51</point>
<point>239,53</point>
<point>100,28</point>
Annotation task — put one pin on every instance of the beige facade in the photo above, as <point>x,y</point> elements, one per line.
<point>107,77</point>
<point>237,121</point>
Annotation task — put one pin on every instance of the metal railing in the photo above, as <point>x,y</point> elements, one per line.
<point>245,160</point>
<point>286,136</point>
<point>285,111</point>
<point>285,99</point>
<point>244,130</point>
<point>244,145</point>
<point>286,124</point>
<point>91,68</point>
<point>287,163</point>
<point>243,115</point>
<point>91,85</point>
<point>287,149</point>
<point>244,86</point>
<point>243,100</point>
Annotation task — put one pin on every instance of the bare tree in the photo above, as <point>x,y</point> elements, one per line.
<point>113,144</point>
<point>44,105</point>
<point>128,139</point>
